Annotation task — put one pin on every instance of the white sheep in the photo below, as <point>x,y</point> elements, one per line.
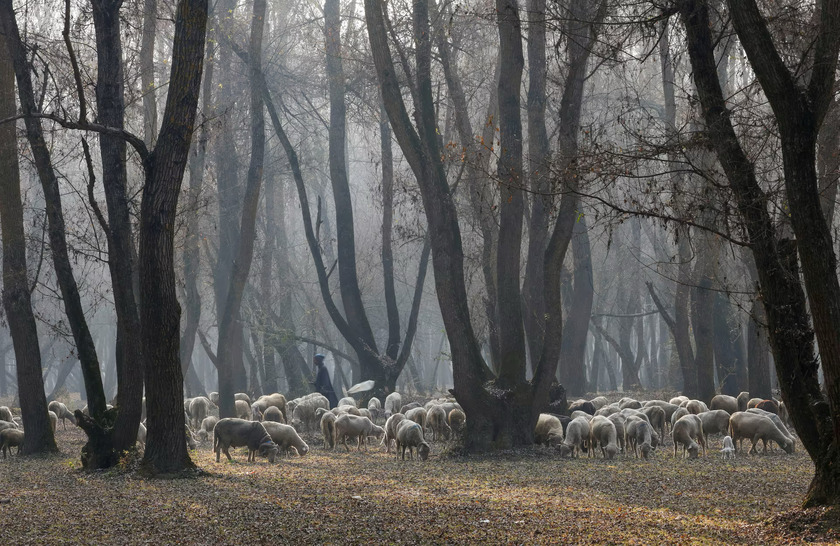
<point>757,427</point>
<point>266,401</point>
<point>599,402</point>
<point>391,430</point>
<point>53,419</point>
<point>728,448</point>
<point>242,409</point>
<point>436,421</point>
<point>328,428</point>
<point>410,435</point>
<point>577,437</point>
<point>602,433</point>
<point>354,426</point>
<point>620,423</point>
<point>374,403</point>
<point>232,432</point>
<point>62,412</point>
<point>273,413</point>
<point>9,438</point>
<point>418,415</point>
<point>639,435</point>
<point>743,398</point>
<point>548,431</point>
<point>777,420</point>
<point>724,402</point>
<point>696,406</point>
<point>301,411</point>
<point>199,409</point>
<point>286,438</point>
<point>347,401</point>
<point>688,431</point>
<point>6,414</point>
<point>207,426</point>
<point>393,402</point>
<point>678,400</point>
<point>714,421</point>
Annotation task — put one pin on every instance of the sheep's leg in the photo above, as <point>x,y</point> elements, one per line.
<point>754,440</point>
<point>227,453</point>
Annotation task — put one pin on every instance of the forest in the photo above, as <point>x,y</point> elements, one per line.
<point>572,257</point>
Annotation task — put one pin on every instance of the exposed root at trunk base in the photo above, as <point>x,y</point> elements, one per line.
<point>98,452</point>
<point>820,524</point>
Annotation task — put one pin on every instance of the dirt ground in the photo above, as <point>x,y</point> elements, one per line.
<point>527,496</point>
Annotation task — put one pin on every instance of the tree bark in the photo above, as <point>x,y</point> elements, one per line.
<point>166,447</point>
<point>573,348</point>
<point>147,72</point>
<point>393,344</point>
<point>729,357</point>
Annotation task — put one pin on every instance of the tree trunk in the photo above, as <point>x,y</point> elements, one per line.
<point>573,348</point>
<point>758,352</point>
<point>147,72</point>
<point>728,355</point>
<point>166,447</point>
<point>266,292</point>
<point>393,344</point>
<point>15,289</point>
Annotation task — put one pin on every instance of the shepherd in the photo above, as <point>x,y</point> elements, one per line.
<point>322,381</point>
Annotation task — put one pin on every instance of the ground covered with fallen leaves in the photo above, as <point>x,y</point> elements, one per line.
<point>527,496</point>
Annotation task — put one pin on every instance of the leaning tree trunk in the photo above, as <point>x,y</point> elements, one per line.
<point>16,300</point>
<point>166,446</point>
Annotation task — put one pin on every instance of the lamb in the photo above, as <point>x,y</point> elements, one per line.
<point>374,403</point>
<point>639,436</point>
<point>328,429</point>
<point>714,421</point>
<point>53,420</point>
<point>743,398</point>
<point>347,401</point>
<point>724,402</point>
<point>62,412</point>
<point>410,435</point>
<point>207,426</point>
<point>266,401</point>
<point>696,406</point>
<point>6,414</point>
<point>602,433</point>
<point>436,420</point>
<point>231,432</point>
<point>418,415</point>
<point>391,430</point>
<point>584,406</point>
<point>355,427</point>
<point>242,410</point>
<point>577,436</point>
<point>688,431</point>
<point>757,427</point>
<point>549,430</point>
<point>286,438</point>
<point>273,413</point>
<point>392,402</point>
<point>728,448</point>
<point>9,438</point>
<point>199,409</point>
<point>656,417</point>
<point>620,429</point>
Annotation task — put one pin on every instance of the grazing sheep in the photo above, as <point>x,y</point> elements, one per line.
<point>577,436</point>
<point>696,406</point>
<point>5,414</point>
<point>584,406</point>
<point>599,402</point>
<point>676,416</point>
<point>9,438</point>
<point>410,435</point>
<point>457,419</point>
<point>667,407</point>
<point>242,396</point>
<point>639,435</point>
<point>242,410</point>
<point>374,403</point>
<point>345,409</point>
<point>266,401</point>
<point>411,405</point>
<point>743,398</point>
<point>62,412</point>
<point>549,430</point>
<point>724,402</point>
<point>355,427</point>
<point>606,411</point>
<point>753,402</point>
<point>678,400</point>
<point>392,403</point>
<point>714,421</point>
<point>755,427</point>
<point>728,448</point>
<point>391,430</point>
<point>688,431</point>
<point>620,423</point>
<point>347,401</point>
<point>436,420</point>
<point>328,429</point>
<point>214,397</point>
<point>631,403</point>
<point>141,435</point>
<point>418,415</point>
<point>207,426</point>
<point>199,409</point>
<point>286,438</point>
<point>6,424</point>
<point>230,432</point>
<point>53,419</point>
<point>656,417</point>
<point>768,405</point>
<point>273,413</point>
<point>578,413</point>
<point>602,433</point>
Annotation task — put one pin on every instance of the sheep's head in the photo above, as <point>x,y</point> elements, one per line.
<point>302,449</point>
<point>693,449</point>
<point>654,439</point>
<point>202,435</point>
<point>565,450</point>
<point>555,438</point>
<point>423,451</point>
<point>297,424</point>
<point>645,449</point>
<point>789,447</point>
<point>611,450</point>
<point>269,449</point>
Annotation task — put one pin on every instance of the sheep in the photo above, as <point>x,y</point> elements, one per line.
<point>548,431</point>
<point>768,405</point>
<point>602,433</point>
<point>302,410</point>
<point>418,415</point>
<point>743,398</point>
<point>457,419</point>
<point>273,413</point>
<point>6,424</point>
<point>214,397</point>
<point>141,435</point>
<point>436,420</point>
<point>374,403</point>
<point>345,409</point>
<point>656,417</point>
<point>579,413</point>
<point>9,438</point>
<point>347,401</point>
<point>667,407</point>
<point>606,411</point>
<point>5,414</point>
<point>392,402</point>
<point>207,426</point>
<point>696,406</point>
<point>410,435</point>
<point>728,448</point>
<point>266,401</point>
<point>753,402</point>
<point>714,421</point>
<point>755,427</point>
<point>242,396</point>
<point>411,405</point>
<point>639,436</point>
<point>62,412</point>
<point>677,400</point>
<point>391,426</point>
<point>676,416</point>
<point>199,409</point>
<point>328,429</point>
<point>231,432</point>
<point>53,419</point>
<point>599,402</point>
<point>620,429</point>
<point>584,406</point>
<point>286,438</point>
<point>364,412</point>
<point>688,431</point>
<point>631,403</point>
<point>724,402</point>
<point>577,436</point>
<point>355,427</point>
<point>242,409</point>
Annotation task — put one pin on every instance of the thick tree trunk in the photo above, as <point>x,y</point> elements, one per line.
<point>166,447</point>
<point>15,287</point>
<point>758,353</point>
<point>266,287</point>
<point>573,348</point>
<point>729,358</point>
<point>393,344</point>
<point>147,72</point>
<point>828,161</point>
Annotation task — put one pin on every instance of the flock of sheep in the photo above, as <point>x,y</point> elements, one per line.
<point>271,425</point>
<point>642,426</point>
